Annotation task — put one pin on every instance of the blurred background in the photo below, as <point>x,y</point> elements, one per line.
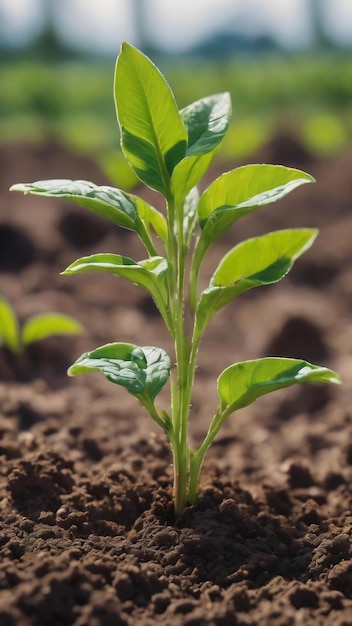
<point>287,64</point>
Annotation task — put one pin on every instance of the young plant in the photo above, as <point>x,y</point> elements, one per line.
<point>36,327</point>
<point>170,151</point>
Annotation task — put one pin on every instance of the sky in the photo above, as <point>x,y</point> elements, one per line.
<point>174,24</point>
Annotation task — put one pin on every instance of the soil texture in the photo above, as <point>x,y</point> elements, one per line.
<point>87,532</point>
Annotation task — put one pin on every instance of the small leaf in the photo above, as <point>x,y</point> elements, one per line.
<point>148,274</point>
<point>122,363</point>
<point>241,191</point>
<point>188,173</point>
<point>241,384</point>
<point>151,217</point>
<point>255,262</point>
<point>207,121</point>
<point>9,328</point>
<point>45,325</point>
<point>153,136</point>
<point>142,371</point>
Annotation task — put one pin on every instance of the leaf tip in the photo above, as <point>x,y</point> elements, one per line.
<point>335,379</point>
<point>18,187</point>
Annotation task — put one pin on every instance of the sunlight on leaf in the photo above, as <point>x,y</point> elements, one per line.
<point>243,190</point>
<point>153,136</point>
<point>253,263</point>
<point>241,384</point>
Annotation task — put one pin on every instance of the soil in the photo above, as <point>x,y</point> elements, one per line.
<point>88,536</point>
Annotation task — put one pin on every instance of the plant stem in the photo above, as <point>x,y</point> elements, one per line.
<point>198,255</point>
<point>180,390</point>
<point>197,456</point>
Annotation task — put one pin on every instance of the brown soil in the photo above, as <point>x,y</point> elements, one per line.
<point>87,533</point>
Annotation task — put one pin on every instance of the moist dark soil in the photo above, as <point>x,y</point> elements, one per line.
<point>88,536</point>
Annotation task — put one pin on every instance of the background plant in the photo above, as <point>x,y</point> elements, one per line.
<point>170,151</point>
<point>35,328</point>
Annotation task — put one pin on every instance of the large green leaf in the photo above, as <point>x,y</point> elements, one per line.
<point>255,262</point>
<point>142,371</point>
<point>148,274</point>
<point>108,202</point>
<point>241,191</point>
<point>126,210</point>
<point>9,328</point>
<point>47,324</point>
<point>153,136</point>
<point>207,121</point>
<point>241,384</point>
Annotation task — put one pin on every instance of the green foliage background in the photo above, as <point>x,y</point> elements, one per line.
<point>72,101</point>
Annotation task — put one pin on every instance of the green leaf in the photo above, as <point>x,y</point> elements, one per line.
<point>47,324</point>
<point>125,210</point>
<point>207,121</point>
<point>255,262</point>
<point>153,136</point>
<point>241,191</point>
<point>108,202</point>
<point>142,371</point>
<point>188,173</point>
<point>148,274</point>
<point>9,328</point>
<point>241,384</point>
<point>150,217</point>
<point>158,370</point>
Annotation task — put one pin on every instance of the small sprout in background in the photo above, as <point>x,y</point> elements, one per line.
<point>170,151</point>
<point>35,328</point>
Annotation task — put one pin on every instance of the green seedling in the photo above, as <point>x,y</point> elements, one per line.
<point>170,150</point>
<point>35,328</point>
